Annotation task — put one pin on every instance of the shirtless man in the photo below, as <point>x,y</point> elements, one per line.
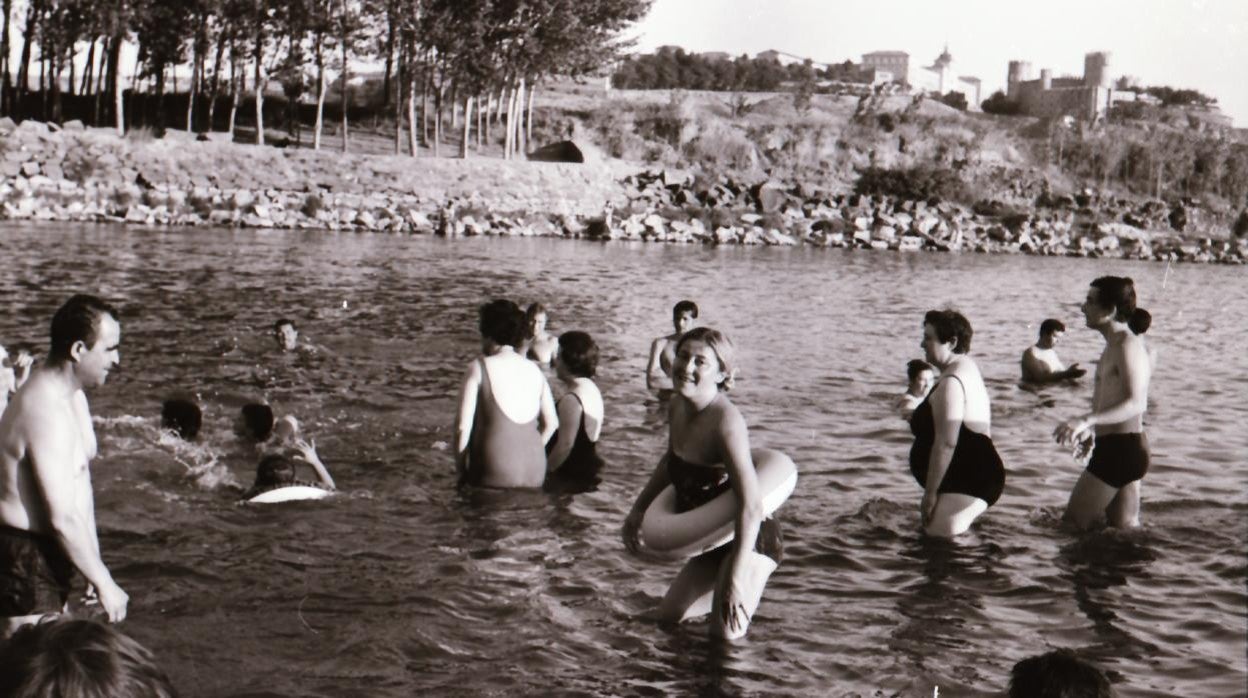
<point>1114,429</point>
<point>663,350</point>
<point>47,508</point>
<point>1040,362</point>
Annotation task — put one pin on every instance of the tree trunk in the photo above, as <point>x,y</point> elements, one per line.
<point>489,113</point>
<point>119,95</point>
<point>463,145</point>
<point>235,87</point>
<point>509,138</point>
<point>23,63</point>
<point>385,84</point>
<point>216,79</point>
<point>346,101</point>
<point>412,143</point>
<point>190,99</point>
<point>320,92</point>
<point>424,108</point>
<point>398,107</point>
<point>437,122</point>
<point>6,80</point>
<point>88,70</point>
<point>528,119</point>
<point>259,86</point>
<point>480,121</point>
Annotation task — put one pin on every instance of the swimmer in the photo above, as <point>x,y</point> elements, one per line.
<point>1058,673</point>
<point>708,453</point>
<point>276,470</point>
<point>255,422</point>
<point>922,377</point>
<point>13,374</point>
<point>1040,363</point>
<point>1114,430</point>
<point>47,441</point>
<point>68,657</point>
<point>506,412</point>
<point>953,457</point>
<point>182,417</point>
<point>663,349</point>
<point>285,334</point>
<point>539,345</point>
<point>572,459</point>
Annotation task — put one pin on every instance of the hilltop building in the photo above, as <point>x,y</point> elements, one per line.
<point>938,78</point>
<point>887,66</point>
<point>1085,98</point>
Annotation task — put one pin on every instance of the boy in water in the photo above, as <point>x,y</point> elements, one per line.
<point>663,349</point>
<point>1040,363</point>
<point>922,377</point>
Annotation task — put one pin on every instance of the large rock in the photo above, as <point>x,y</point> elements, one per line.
<point>562,151</point>
<point>768,197</point>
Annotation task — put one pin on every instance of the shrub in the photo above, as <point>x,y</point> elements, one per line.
<point>1241,224</point>
<point>957,100</point>
<point>312,205</point>
<point>998,103</point>
<point>918,183</point>
<point>201,205</point>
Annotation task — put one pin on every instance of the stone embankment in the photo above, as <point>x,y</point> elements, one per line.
<point>77,174</point>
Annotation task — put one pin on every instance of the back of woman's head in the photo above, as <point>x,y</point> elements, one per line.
<point>275,469</point>
<point>579,352</point>
<point>502,322</point>
<point>723,348</point>
<point>182,416</point>
<point>258,418</point>
<point>1118,294</point>
<point>950,325</point>
<point>80,658</point>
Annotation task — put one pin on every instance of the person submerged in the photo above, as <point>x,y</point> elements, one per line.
<point>663,349</point>
<point>1040,363</point>
<point>572,461</point>
<point>708,453</point>
<point>506,412</point>
<point>921,376</point>
<point>953,457</point>
<point>1113,432</point>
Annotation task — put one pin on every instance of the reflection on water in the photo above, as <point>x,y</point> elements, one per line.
<point>404,585</point>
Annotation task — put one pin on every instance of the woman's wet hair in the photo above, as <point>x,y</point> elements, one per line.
<point>502,322</point>
<point>723,348</point>
<point>1118,294</point>
<point>81,658</point>
<point>181,416</point>
<point>258,418</point>
<point>916,366</point>
<point>951,325</point>
<point>78,320</point>
<point>275,469</point>
<point>579,352</point>
<point>530,319</point>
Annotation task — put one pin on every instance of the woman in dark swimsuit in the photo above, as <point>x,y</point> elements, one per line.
<point>953,458</point>
<point>572,462</point>
<point>709,453</point>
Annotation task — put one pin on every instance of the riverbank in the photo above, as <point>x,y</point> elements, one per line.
<point>79,174</point>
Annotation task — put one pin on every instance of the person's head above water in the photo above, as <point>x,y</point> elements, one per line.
<point>920,375</point>
<point>534,320</point>
<point>181,416</point>
<point>719,344</point>
<point>80,658</point>
<point>286,334</point>
<point>502,323</point>
<point>1113,298</point>
<point>1051,326</point>
<point>275,470</point>
<point>950,326</point>
<point>1058,674</point>
<point>257,420</point>
<point>683,315</point>
<point>578,353</point>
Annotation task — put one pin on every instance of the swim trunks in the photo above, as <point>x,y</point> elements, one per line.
<point>1119,459</point>
<point>35,573</point>
<point>975,470</point>
<point>499,445</point>
<point>579,472</point>
<point>697,484</point>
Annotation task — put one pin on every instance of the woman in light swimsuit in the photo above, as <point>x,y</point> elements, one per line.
<point>709,453</point>
<point>953,458</point>
<point>506,412</point>
<point>572,461</point>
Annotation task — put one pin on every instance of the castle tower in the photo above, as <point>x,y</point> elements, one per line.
<point>1046,79</point>
<point>1020,71</point>
<point>1096,69</point>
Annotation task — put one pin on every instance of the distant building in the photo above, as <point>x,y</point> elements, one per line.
<point>769,55</point>
<point>970,86</point>
<point>895,63</point>
<point>1085,98</point>
<point>716,55</point>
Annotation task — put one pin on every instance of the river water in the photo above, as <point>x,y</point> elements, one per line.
<point>405,586</point>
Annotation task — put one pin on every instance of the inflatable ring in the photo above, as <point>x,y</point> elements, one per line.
<point>676,536</point>
<point>289,493</point>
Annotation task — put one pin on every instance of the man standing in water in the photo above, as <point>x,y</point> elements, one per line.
<point>1114,429</point>
<point>1040,362</point>
<point>663,349</point>
<point>47,508</point>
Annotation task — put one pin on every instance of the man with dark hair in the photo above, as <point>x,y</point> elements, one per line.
<point>663,349</point>
<point>1058,674</point>
<point>286,334</point>
<point>47,508</point>
<point>80,658</point>
<point>1040,363</point>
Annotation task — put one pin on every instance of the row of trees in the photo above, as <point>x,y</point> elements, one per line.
<point>485,57</point>
<point>675,69</point>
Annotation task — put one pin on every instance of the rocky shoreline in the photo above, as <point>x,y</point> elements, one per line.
<point>90,175</point>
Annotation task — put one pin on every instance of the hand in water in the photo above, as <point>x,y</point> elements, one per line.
<point>632,531</point>
<point>732,611</point>
<point>114,601</point>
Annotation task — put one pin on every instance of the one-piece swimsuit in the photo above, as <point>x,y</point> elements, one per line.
<point>975,469</point>
<point>498,444</point>
<point>697,484</point>
<point>579,472</point>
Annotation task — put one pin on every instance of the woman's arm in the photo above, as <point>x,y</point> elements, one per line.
<point>750,513</point>
<point>632,523</point>
<point>464,416</point>
<point>948,411</point>
<point>307,451</point>
<point>548,418</point>
<point>570,412</point>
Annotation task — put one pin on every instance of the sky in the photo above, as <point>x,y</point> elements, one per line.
<point>1196,44</point>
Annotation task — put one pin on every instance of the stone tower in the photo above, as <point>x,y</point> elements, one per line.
<point>1020,71</point>
<point>1096,69</point>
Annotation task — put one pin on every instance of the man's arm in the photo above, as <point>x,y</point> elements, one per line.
<point>71,512</point>
<point>656,379</point>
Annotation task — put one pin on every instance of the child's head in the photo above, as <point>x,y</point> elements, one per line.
<point>275,470</point>
<point>181,416</point>
<point>921,376</point>
<point>578,353</point>
<point>286,428</point>
<point>257,420</point>
<point>718,343</point>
